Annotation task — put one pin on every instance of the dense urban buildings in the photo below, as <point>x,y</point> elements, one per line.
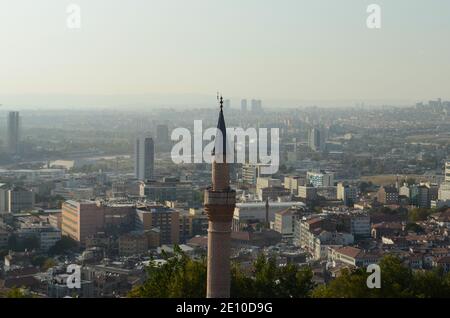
<point>343,207</point>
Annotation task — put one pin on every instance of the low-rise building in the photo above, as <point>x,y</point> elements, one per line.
<point>387,195</point>
<point>307,192</point>
<point>354,256</point>
<point>158,216</point>
<point>285,222</point>
<point>133,243</point>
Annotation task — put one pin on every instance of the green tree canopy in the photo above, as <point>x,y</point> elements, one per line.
<point>397,281</point>
<point>184,277</point>
<point>419,214</point>
<point>64,245</point>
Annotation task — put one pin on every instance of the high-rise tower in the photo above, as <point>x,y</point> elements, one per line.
<point>144,158</point>
<point>220,201</point>
<point>13,133</point>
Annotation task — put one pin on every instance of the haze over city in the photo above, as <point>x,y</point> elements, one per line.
<point>159,53</point>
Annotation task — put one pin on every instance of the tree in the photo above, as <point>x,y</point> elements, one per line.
<point>414,227</point>
<point>431,284</point>
<point>397,281</point>
<point>29,243</point>
<point>64,245</point>
<point>364,187</point>
<point>183,277</point>
<point>49,263</point>
<point>14,293</point>
<point>38,260</point>
<point>179,277</point>
<point>419,214</point>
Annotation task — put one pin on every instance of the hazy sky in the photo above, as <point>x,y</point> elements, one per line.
<point>269,49</point>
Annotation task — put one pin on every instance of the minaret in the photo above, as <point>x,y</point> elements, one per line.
<point>220,201</point>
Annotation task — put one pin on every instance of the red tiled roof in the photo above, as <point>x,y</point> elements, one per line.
<point>313,220</point>
<point>241,236</point>
<point>444,260</point>
<point>199,240</point>
<point>349,251</point>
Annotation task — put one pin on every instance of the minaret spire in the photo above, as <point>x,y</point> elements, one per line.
<point>219,202</point>
<point>220,147</point>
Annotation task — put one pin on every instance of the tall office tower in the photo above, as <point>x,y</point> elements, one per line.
<point>13,133</point>
<point>256,106</point>
<point>244,105</point>
<point>162,134</point>
<point>144,158</point>
<point>220,201</point>
<point>444,189</point>
<point>316,139</point>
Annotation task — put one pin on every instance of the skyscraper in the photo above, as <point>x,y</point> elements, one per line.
<point>220,201</point>
<point>162,134</point>
<point>144,158</point>
<point>256,106</point>
<point>13,133</point>
<point>316,139</point>
<point>244,105</point>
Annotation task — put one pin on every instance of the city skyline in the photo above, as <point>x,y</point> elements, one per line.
<point>295,51</point>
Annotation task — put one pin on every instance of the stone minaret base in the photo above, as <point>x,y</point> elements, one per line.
<point>218,280</point>
<point>219,207</point>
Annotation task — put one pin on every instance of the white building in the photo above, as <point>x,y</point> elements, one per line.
<point>251,172</point>
<point>292,183</point>
<point>444,192</point>
<point>284,223</point>
<point>320,179</point>
<point>256,211</point>
<point>262,183</point>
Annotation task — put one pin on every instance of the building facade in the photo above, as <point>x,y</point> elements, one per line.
<point>144,158</point>
<point>320,179</point>
<point>13,136</point>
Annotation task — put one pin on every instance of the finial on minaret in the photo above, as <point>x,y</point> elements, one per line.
<point>221,102</point>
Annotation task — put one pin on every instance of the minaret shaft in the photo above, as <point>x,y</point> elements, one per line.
<point>220,201</point>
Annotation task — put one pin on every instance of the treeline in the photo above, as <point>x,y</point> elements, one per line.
<point>183,277</point>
